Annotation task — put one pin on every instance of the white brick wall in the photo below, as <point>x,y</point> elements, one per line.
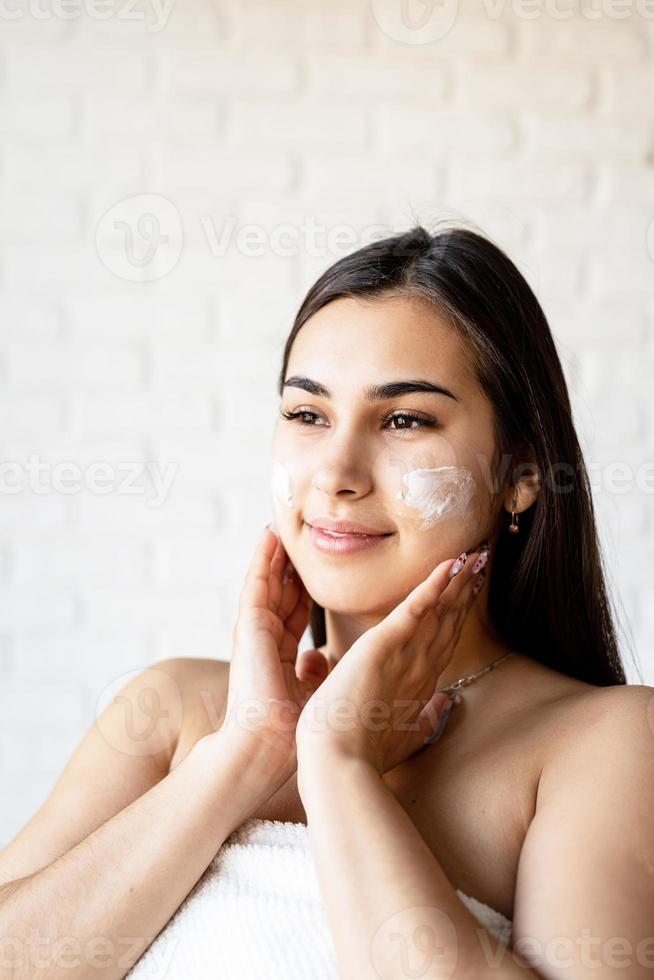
<point>297,114</point>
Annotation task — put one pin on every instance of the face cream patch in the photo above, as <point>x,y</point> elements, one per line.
<point>280,484</point>
<point>444,491</point>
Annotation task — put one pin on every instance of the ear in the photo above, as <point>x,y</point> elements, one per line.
<point>525,489</point>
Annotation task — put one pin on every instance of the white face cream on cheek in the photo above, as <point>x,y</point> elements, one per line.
<point>281,484</point>
<point>443,491</point>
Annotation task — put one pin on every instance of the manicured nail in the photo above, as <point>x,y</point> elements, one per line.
<point>480,561</point>
<point>458,564</point>
<point>441,724</point>
<point>479,582</point>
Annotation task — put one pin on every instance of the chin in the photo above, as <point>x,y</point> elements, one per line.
<point>343,601</point>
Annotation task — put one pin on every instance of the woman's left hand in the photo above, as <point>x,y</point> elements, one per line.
<point>379,702</point>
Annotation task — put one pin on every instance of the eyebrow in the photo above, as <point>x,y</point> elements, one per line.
<point>372,393</point>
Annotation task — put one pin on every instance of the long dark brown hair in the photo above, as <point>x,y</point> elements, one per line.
<point>547,592</point>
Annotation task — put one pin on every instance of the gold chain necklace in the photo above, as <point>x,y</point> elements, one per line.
<point>468,678</point>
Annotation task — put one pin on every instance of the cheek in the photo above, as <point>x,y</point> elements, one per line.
<point>434,494</point>
<point>433,486</point>
<point>281,484</point>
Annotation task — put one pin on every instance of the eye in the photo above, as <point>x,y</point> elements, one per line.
<point>295,415</point>
<point>420,420</point>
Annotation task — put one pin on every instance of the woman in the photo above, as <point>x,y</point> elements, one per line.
<point>425,409</point>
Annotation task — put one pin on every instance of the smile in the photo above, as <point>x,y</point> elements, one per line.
<point>339,543</point>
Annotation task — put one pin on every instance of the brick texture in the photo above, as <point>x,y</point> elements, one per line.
<point>264,129</point>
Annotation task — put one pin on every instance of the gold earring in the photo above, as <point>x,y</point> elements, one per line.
<point>513,526</point>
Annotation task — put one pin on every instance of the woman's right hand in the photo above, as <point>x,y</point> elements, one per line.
<point>269,683</point>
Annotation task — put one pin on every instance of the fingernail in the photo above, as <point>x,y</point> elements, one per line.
<point>458,564</point>
<point>480,561</point>
<point>479,582</point>
<point>289,572</point>
<point>442,723</point>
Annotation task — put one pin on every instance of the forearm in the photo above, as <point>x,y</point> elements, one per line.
<point>94,911</point>
<point>389,903</point>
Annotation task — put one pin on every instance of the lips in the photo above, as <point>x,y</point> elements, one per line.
<point>339,527</point>
<point>336,544</point>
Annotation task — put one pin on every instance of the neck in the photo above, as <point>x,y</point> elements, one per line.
<point>477,646</point>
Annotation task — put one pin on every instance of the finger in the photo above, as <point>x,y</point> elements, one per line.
<point>312,666</point>
<point>277,565</point>
<point>437,600</point>
<point>470,562</point>
<point>478,584</point>
<point>298,619</point>
<point>464,585</point>
<point>255,590</point>
<point>459,593</point>
<point>288,600</point>
<point>458,585</point>
<point>290,589</point>
<point>433,717</point>
<point>402,622</point>
<point>279,560</point>
<point>451,613</point>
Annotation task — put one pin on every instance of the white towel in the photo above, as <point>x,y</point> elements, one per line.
<point>257,913</point>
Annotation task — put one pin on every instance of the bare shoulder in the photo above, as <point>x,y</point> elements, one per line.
<point>598,712</point>
<point>126,751</point>
<point>599,727</point>
<point>561,717</point>
<point>203,684</point>
<point>592,823</point>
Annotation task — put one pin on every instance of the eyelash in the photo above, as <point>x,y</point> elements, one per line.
<point>424,422</point>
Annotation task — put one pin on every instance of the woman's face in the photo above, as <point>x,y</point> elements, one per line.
<point>415,465</point>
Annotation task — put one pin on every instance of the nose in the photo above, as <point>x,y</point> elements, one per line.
<point>343,467</point>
